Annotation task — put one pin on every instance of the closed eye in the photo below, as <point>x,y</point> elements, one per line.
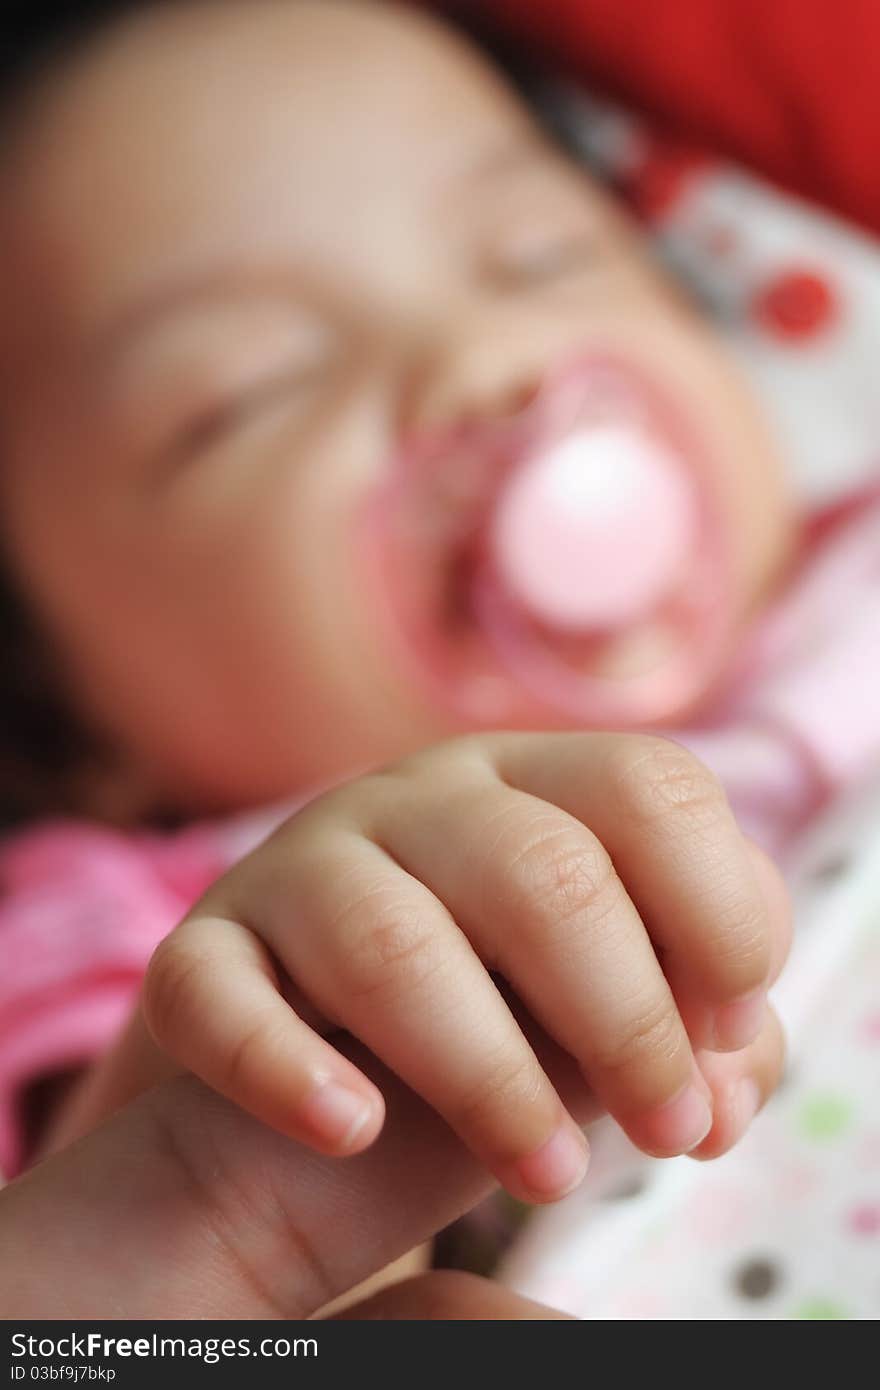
<point>213,424</point>
<point>541,261</point>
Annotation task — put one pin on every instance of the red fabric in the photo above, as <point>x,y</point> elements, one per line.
<point>789,87</point>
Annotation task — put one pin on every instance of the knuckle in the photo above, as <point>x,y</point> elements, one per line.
<point>566,877</point>
<point>169,985</point>
<point>429,775</point>
<point>249,1054</point>
<point>452,759</point>
<point>653,1035</point>
<point>656,778</point>
<point>385,946</point>
<point>508,1082</point>
<point>741,946</point>
<point>350,806</point>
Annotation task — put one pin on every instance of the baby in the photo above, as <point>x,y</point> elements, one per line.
<point>346,423</point>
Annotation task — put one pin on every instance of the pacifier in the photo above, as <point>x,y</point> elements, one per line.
<point>566,564</point>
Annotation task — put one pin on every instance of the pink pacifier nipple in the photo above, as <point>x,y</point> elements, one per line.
<point>569,563</point>
<point>596,531</point>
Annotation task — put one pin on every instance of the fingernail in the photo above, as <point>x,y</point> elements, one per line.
<point>336,1114</point>
<point>739,1023</point>
<point>745,1105</point>
<point>557,1167</point>
<point>678,1126</point>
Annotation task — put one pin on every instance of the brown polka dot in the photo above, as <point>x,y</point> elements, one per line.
<point>834,866</point>
<point>625,1191</point>
<point>757,1278</point>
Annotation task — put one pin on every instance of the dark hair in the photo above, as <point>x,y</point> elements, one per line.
<point>35,35</point>
<point>43,745</point>
<point>41,741</point>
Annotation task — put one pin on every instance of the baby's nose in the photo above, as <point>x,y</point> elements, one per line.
<point>593,532</point>
<point>468,386</point>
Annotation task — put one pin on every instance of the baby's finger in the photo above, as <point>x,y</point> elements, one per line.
<point>701,1018</point>
<point>538,895</point>
<point>211,1000</point>
<point>667,825</point>
<point>775,894</point>
<point>378,954</point>
<point>741,1082</point>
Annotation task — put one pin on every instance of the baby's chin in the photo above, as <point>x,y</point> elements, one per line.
<point>575,566</point>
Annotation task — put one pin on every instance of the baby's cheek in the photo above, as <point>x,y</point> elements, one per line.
<point>749,467</point>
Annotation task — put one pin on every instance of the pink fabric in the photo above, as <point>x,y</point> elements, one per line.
<point>800,724</point>
<point>82,909</point>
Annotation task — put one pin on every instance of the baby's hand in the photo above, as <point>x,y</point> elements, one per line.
<point>601,878</point>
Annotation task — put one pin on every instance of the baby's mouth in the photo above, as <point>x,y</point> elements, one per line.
<point>566,565</point>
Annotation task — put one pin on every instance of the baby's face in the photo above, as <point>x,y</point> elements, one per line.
<point>255,248</point>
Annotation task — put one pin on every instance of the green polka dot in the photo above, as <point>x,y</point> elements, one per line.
<point>820,1309</point>
<point>824,1115</point>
